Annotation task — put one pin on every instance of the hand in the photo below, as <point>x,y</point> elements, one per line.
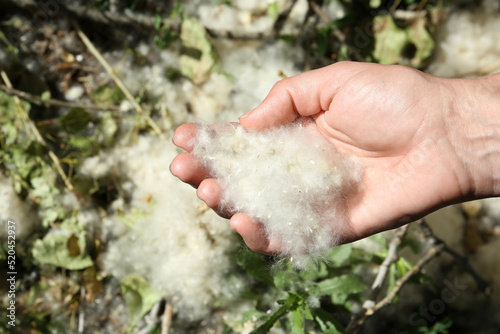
<point>394,119</point>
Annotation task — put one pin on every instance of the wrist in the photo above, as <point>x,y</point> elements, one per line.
<point>473,127</point>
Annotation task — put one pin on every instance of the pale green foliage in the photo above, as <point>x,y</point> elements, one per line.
<point>199,56</point>
<point>139,296</point>
<point>392,41</point>
<point>64,248</point>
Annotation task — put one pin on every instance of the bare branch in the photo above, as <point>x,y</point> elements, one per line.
<point>391,257</point>
<point>125,18</point>
<point>282,17</point>
<point>166,321</point>
<point>58,103</point>
<point>482,284</point>
<point>355,325</point>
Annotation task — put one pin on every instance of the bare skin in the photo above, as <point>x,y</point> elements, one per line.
<point>424,142</point>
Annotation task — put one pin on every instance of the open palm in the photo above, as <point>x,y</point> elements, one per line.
<point>390,117</point>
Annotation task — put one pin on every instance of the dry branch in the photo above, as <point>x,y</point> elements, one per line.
<point>54,102</point>
<point>391,257</point>
<point>166,320</point>
<point>357,322</point>
<point>482,284</point>
<point>282,17</point>
<point>125,18</point>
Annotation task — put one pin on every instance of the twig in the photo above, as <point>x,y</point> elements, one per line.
<point>38,136</point>
<point>81,313</point>
<point>58,103</point>
<point>282,17</point>
<point>117,80</point>
<point>355,326</point>
<point>151,319</point>
<point>394,6</point>
<point>482,284</point>
<point>125,18</point>
<point>234,35</point>
<point>336,31</point>
<point>140,22</point>
<point>391,257</point>
<point>166,321</point>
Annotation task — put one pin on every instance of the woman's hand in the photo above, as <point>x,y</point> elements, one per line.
<point>404,126</point>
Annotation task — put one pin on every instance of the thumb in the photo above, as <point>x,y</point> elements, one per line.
<point>305,94</point>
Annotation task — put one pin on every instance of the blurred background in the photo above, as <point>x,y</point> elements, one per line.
<point>107,241</point>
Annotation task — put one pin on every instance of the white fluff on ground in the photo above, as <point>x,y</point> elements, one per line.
<point>13,208</point>
<point>466,43</point>
<point>176,243</point>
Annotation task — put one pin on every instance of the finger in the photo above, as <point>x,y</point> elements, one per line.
<point>305,94</point>
<point>210,192</point>
<point>183,136</point>
<point>254,235</point>
<point>188,169</point>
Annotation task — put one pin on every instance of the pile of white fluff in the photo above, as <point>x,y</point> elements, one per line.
<point>289,178</point>
<point>12,207</point>
<point>475,50</point>
<point>180,246</point>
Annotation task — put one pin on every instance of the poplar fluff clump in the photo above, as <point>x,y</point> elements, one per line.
<point>289,178</point>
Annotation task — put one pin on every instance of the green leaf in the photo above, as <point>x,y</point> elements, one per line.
<point>158,21</point>
<point>403,267</point>
<point>254,264</point>
<point>105,95</point>
<point>340,287</point>
<point>139,296</point>
<point>53,249</point>
<point>75,120</point>
<point>50,215</point>
<point>198,56</point>
<point>84,185</point>
<point>348,284</point>
<point>273,10</point>
<point>251,315</point>
<point>9,132</point>
<point>287,305</point>
<point>10,47</point>
<point>86,145</point>
<point>326,322</point>
<point>285,280</point>
<point>338,255</point>
<point>106,129</point>
<point>315,271</point>
<point>46,95</point>
<point>24,162</point>
<point>390,40</point>
<point>298,321</point>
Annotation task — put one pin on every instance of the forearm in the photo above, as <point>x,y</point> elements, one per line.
<point>473,126</point>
